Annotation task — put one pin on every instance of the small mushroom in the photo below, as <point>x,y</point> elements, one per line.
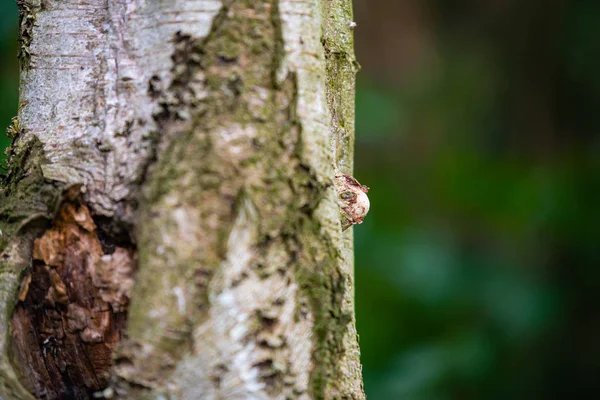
<point>353,200</point>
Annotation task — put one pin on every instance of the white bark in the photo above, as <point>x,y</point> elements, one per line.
<point>87,87</point>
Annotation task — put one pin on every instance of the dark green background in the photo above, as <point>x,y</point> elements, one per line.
<point>478,266</point>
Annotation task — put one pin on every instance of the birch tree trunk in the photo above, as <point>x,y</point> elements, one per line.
<point>170,227</point>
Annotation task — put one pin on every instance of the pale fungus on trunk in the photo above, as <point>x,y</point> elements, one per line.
<point>354,202</point>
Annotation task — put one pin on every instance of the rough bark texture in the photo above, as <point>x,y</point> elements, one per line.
<point>191,147</point>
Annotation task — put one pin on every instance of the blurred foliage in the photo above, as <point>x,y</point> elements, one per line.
<point>9,76</point>
<point>478,266</point>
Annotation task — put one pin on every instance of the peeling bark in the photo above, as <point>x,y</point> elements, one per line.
<point>196,142</point>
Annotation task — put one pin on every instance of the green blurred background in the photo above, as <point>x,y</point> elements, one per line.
<point>478,266</point>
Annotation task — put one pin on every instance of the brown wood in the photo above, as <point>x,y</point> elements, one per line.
<point>73,308</point>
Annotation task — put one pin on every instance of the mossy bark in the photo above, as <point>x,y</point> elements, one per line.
<point>202,137</point>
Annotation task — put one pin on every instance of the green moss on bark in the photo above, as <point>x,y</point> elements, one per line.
<point>24,193</point>
<point>229,131</point>
<point>338,42</point>
<point>323,286</point>
<point>27,204</point>
<point>27,18</point>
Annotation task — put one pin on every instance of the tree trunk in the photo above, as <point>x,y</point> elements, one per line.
<point>170,226</point>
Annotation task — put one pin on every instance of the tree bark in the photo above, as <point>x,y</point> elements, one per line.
<point>170,227</point>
